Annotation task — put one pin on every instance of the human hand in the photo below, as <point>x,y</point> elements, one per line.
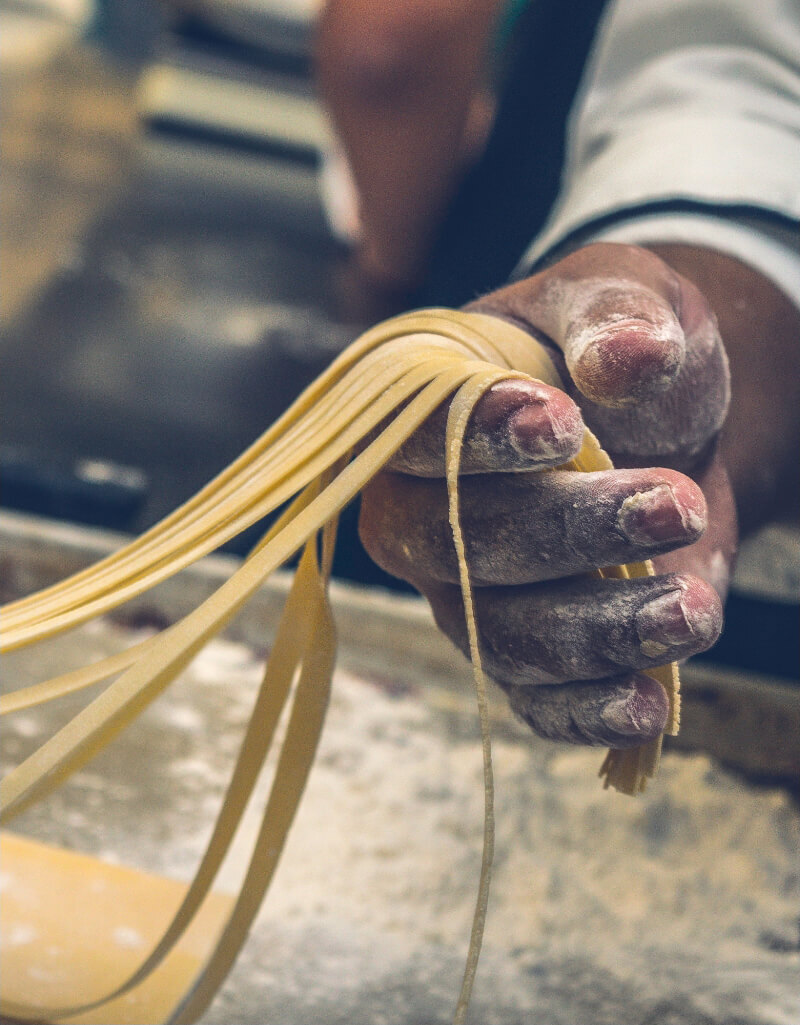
<point>644,367</point>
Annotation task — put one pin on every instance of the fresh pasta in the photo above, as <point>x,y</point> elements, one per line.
<point>304,469</point>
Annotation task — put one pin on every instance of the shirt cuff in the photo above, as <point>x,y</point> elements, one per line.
<point>712,166</point>
<point>772,251</point>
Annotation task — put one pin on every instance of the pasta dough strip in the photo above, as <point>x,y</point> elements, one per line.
<point>91,729</point>
<point>461,407</point>
<point>246,464</point>
<point>405,327</point>
<point>294,765</point>
<point>89,602</point>
<point>78,679</point>
<point>290,646</point>
<point>391,378</point>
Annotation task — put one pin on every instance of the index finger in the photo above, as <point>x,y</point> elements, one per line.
<point>516,425</point>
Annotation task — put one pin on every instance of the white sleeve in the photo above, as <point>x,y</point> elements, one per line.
<point>689,108</point>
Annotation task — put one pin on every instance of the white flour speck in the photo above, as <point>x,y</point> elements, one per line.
<point>125,936</point>
<point>19,935</point>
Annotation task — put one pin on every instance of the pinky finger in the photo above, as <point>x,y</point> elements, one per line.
<point>623,712</point>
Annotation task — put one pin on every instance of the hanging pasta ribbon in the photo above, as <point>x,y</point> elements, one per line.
<point>313,461</point>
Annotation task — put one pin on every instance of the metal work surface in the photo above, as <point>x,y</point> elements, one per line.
<point>677,907</point>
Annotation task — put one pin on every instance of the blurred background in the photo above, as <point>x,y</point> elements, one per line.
<point>170,279</point>
<point>167,268</point>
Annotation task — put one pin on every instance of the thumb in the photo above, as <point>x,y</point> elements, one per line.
<point>622,341</point>
<point>614,311</point>
<point>641,347</point>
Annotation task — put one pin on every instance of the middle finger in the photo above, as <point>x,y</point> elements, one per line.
<point>531,527</point>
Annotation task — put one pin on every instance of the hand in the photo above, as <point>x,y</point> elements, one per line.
<point>644,367</point>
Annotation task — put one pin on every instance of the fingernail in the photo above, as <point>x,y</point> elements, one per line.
<point>656,516</point>
<point>538,431</point>
<point>640,712</point>
<point>625,359</point>
<point>663,625</point>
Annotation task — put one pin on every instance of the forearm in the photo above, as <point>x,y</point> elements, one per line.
<point>398,83</point>
<point>760,328</point>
